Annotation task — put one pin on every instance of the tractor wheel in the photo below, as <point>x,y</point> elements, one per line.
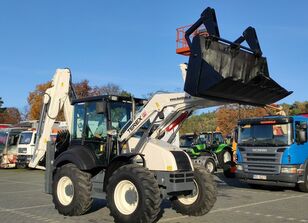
<point>71,190</point>
<point>210,166</point>
<point>133,195</point>
<point>224,157</point>
<point>203,197</point>
<point>303,187</point>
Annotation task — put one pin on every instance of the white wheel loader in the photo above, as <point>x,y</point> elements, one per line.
<point>122,149</point>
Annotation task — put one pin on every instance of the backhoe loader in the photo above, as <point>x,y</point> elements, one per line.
<point>122,149</point>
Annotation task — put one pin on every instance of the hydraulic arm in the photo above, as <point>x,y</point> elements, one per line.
<point>56,98</point>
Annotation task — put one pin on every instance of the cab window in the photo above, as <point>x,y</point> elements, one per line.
<point>78,120</point>
<point>96,124</point>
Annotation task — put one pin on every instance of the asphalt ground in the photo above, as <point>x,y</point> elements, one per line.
<point>22,200</point>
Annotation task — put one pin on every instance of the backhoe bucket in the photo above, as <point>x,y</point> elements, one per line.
<point>227,71</point>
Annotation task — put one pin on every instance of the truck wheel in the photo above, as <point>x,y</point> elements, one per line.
<point>229,169</point>
<point>210,166</point>
<point>133,194</point>
<point>203,197</point>
<point>303,187</point>
<point>71,190</point>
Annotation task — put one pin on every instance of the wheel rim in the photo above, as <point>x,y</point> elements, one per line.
<point>65,190</point>
<point>126,197</point>
<point>190,199</point>
<point>227,157</point>
<point>209,167</point>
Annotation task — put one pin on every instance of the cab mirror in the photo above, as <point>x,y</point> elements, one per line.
<point>101,107</point>
<point>302,136</point>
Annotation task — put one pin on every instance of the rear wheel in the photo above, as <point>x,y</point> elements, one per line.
<point>71,190</point>
<point>133,194</point>
<point>210,166</point>
<point>202,198</point>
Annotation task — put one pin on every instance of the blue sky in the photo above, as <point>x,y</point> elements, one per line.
<point>132,43</point>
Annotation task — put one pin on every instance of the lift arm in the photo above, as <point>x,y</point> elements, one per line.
<point>56,98</point>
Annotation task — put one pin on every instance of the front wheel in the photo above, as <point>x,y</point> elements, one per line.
<point>71,190</point>
<point>224,157</point>
<point>133,195</point>
<point>202,198</point>
<point>303,187</point>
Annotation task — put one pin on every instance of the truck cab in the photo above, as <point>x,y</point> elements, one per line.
<point>273,151</point>
<point>8,147</point>
<point>25,146</point>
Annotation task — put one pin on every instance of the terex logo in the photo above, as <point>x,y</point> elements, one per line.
<point>137,121</point>
<point>259,150</point>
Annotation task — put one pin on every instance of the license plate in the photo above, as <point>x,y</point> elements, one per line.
<point>259,177</point>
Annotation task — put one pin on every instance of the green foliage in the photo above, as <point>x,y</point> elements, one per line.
<point>199,123</point>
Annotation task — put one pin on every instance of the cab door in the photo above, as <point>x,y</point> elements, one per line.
<point>95,132</point>
<point>90,129</point>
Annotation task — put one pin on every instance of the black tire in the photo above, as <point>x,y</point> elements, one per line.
<point>227,168</point>
<point>148,203</point>
<point>255,186</point>
<point>210,166</point>
<point>206,196</point>
<point>303,187</point>
<point>82,186</point>
<point>221,155</point>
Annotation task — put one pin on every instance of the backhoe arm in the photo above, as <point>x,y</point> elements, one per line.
<point>55,99</point>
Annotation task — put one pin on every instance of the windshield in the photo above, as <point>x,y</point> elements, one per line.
<point>186,141</point>
<point>3,137</point>
<point>25,138</point>
<point>265,135</point>
<point>120,114</point>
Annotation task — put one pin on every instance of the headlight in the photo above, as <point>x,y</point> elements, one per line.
<point>239,167</point>
<point>288,170</point>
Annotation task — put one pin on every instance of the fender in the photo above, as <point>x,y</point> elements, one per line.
<point>81,156</point>
<point>119,161</point>
<point>221,147</point>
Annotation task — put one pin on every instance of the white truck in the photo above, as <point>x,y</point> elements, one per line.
<point>26,145</point>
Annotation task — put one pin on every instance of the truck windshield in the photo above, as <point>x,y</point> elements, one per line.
<point>265,135</point>
<point>3,137</point>
<point>186,141</point>
<point>25,138</point>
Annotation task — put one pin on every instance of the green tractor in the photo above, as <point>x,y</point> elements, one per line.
<point>208,149</point>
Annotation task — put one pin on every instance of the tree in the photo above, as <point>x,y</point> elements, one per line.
<point>10,116</point>
<point>204,122</point>
<point>35,100</point>
<point>227,116</point>
<point>110,89</point>
<point>83,89</point>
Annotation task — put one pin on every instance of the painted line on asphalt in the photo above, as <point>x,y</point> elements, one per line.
<point>272,216</point>
<point>19,182</point>
<point>24,208</point>
<point>20,191</point>
<point>239,206</point>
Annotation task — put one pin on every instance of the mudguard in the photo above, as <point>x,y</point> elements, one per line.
<point>79,155</point>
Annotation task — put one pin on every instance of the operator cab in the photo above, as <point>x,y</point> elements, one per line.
<point>97,120</point>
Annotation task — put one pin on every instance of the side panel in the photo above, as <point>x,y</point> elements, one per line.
<point>82,157</point>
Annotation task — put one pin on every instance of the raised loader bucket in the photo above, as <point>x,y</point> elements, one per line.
<point>227,71</point>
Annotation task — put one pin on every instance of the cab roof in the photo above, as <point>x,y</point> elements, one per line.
<point>110,98</point>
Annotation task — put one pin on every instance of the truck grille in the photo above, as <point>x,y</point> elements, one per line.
<point>22,150</point>
<point>261,160</point>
